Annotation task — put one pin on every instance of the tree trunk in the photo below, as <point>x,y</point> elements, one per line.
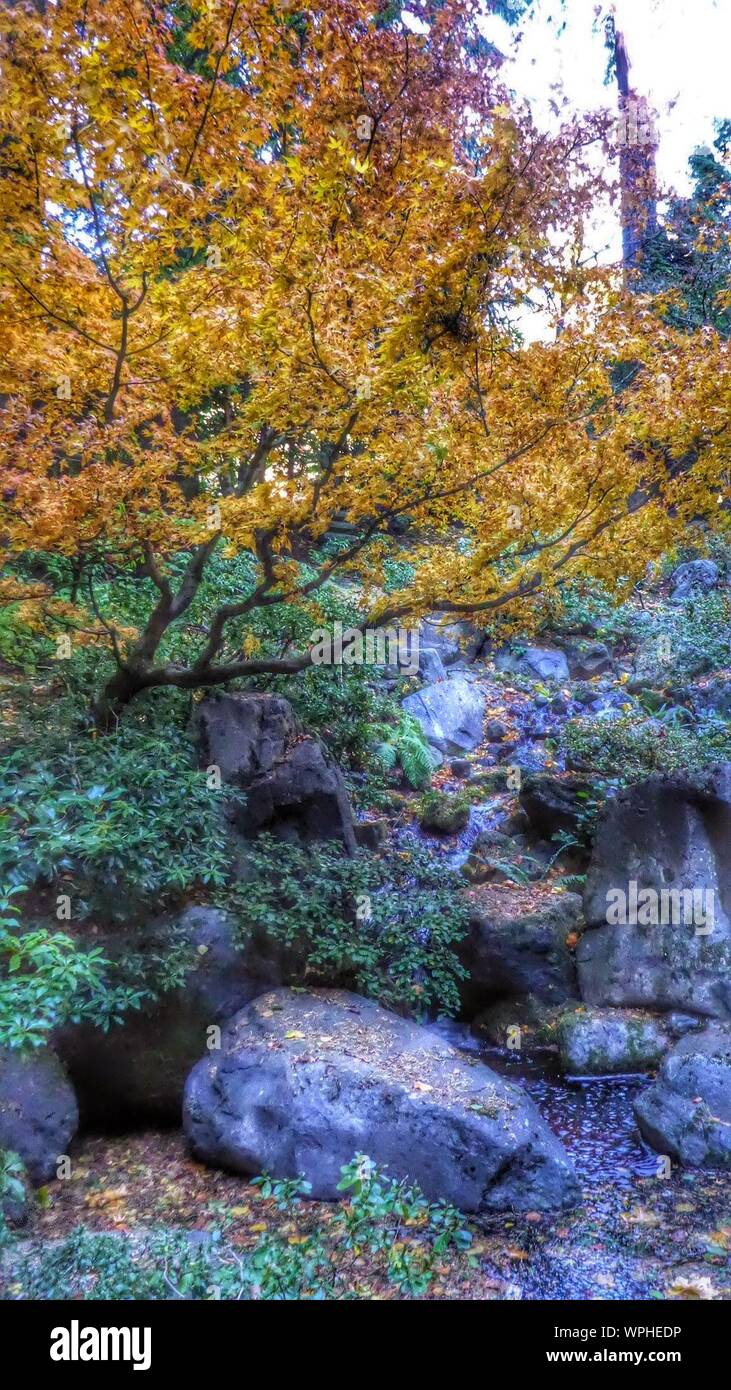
<point>107,709</point>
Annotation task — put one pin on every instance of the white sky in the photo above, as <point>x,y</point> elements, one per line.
<point>680,55</point>
<point>680,52</point>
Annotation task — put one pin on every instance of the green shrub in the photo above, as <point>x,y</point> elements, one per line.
<point>14,1193</point>
<point>120,824</point>
<point>47,979</point>
<point>406,1237</point>
<point>385,926</point>
<point>630,748</point>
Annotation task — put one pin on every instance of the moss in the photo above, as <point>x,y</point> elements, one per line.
<point>444,813</point>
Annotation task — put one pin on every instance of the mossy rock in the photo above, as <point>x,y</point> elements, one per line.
<point>443,813</point>
<point>610,1042</point>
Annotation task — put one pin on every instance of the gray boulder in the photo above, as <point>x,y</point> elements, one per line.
<point>687,1112</point>
<point>431,666</point>
<point>38,1112</point>
<point>656,844</point>
<point>304,1081</point>
<point>606,1042</point>
<point>542,663</point>
<point>510,949</point>
<point>450,714</point>
<point>293,789</point>
<point>587,659</point>
<point>136,1071</point>
<point>696,576</point>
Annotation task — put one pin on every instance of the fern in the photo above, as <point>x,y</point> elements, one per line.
<point>405,743</point>
<point>386,754</point>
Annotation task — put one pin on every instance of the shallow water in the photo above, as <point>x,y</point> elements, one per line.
<point>632,1229</point>
<point>593,1117</point>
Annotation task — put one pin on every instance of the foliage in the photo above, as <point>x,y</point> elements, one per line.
<point>444,812</point>
<point>405,1236</point>
<point>630,748</point>
<point>385,926</point>
<point>47,979</point>
<point>14,1193</point>
<point>686,640</point>
<point>690,257</point>
<point>403,742</point>
<point>119,824</point>
<point>268,280</point>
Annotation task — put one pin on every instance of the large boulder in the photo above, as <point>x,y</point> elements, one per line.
<point>657,844</point>
<point>135,1072</point>
<point>450,713</point>
<point>516,944</point>
<point>687,1112</point>
<point>540,663</point>
<point>38,1112</point>
<point>304,1081</point>
<point>293,789</point>
<point>606,1042</point>
<point>431,666</point>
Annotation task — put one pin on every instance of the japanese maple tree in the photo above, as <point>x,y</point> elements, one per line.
<point>265,267</point>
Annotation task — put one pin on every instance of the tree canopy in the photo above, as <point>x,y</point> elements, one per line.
<point>265,269</point>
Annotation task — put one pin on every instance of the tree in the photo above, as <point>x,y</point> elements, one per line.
<point>690,256</point>
<point>264,268</point>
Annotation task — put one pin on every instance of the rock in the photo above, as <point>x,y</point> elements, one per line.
<point>445,814</point>
<point>431,666</point>
<point>372,834</point>
<point>517,823</point>
<point>488,852</point>
<point>490,779</point>
<point>245,735</point>
<point>553,804</point>
<point>542,663</point>
<point>687,1112</point>
<point>136,1071</point>
<point>678,1024</point>
<point>38,1112</point>
<point>306,1080</point>
<point>293,789</point>
<point>587,659</point>
<point>526,755</point>
<point>585,695</point>
<point>713,699</point>
<point>454,641</point>
<point>450,714</point>
<point>606,1042</point>
<point>669,834</point>
<point>693,577</point>
<point>517,946</point>
<point>495,730</point>
<point>461,767</point>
